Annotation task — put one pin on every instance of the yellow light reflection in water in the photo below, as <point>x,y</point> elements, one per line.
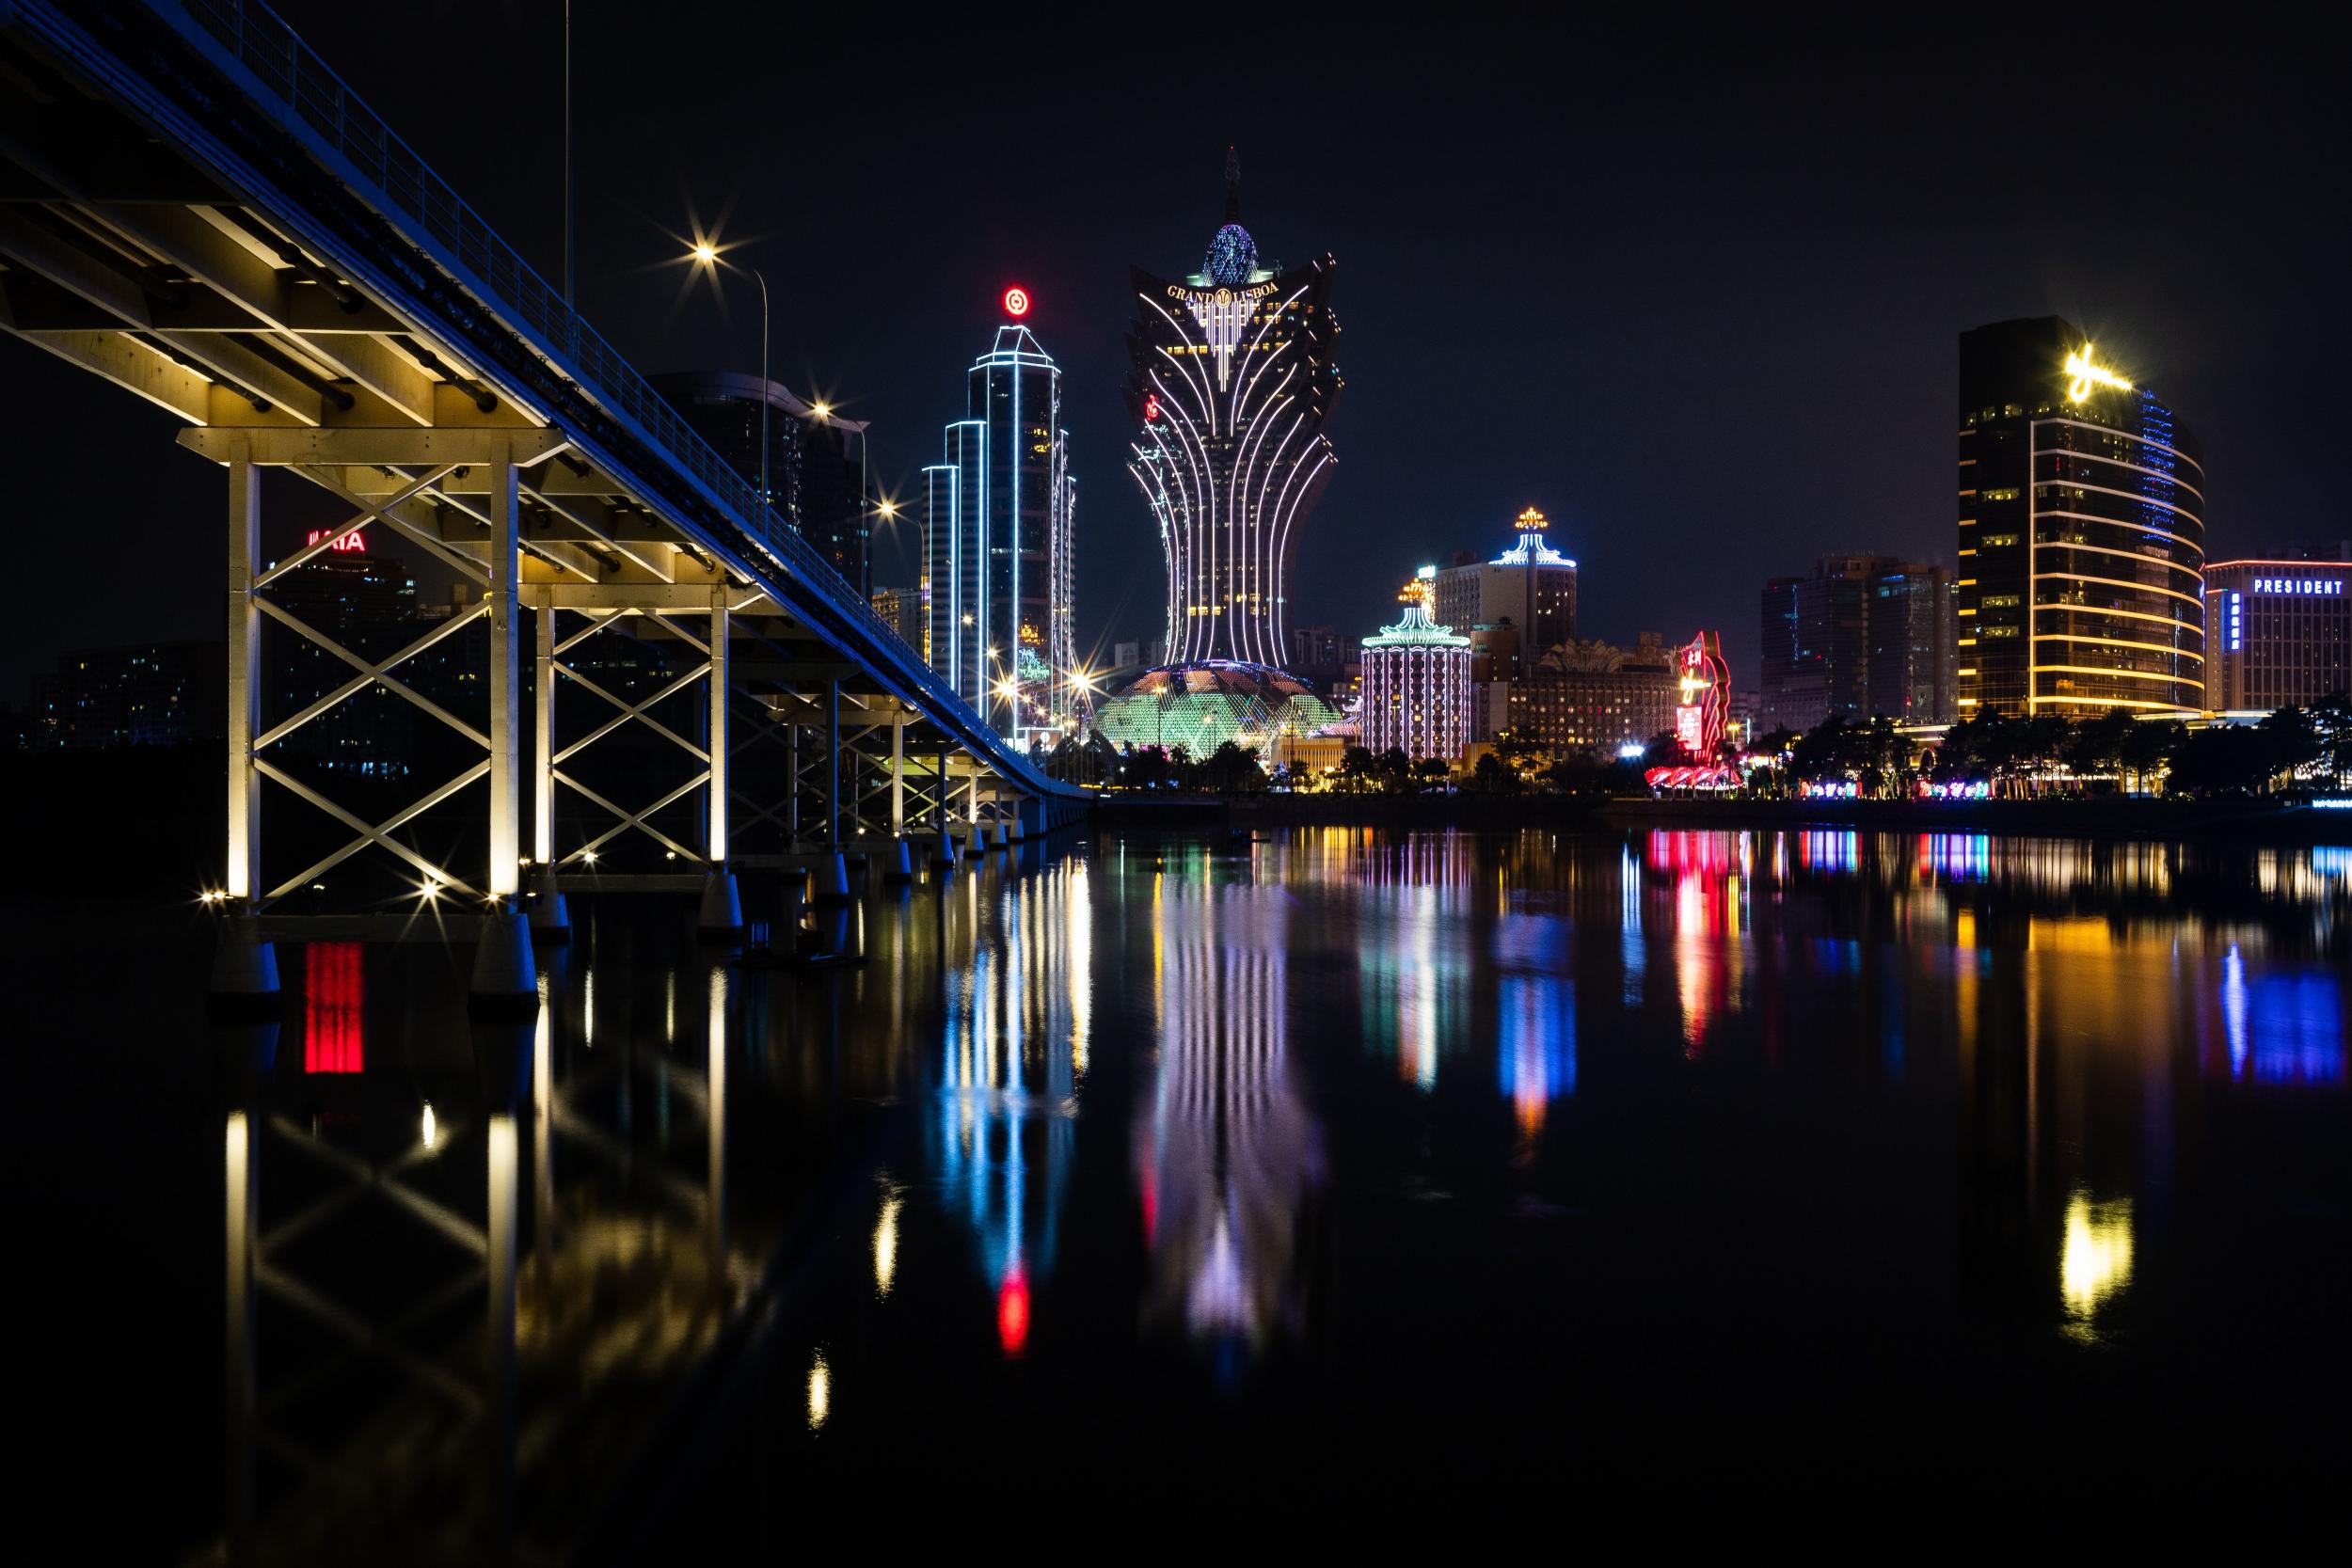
<point>886,1245</point>
<point>819,1392</point>
<point>2097,1259</point>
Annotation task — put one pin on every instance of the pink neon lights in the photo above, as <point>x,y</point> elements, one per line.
<point>349,544</point>
<point>1016,301</point>
<point>334,989</point>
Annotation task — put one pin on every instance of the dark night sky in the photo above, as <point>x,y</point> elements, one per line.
<point>1694,291</point>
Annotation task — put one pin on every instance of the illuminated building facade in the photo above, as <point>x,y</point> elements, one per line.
<point>1416,682</point>
<point>1233,383</point>
<point>1591,698</point>
<point>2281,631</point>
<point>2081,534</point>
<point>998,542</point>
<point>1865,634</point>
<point>1530,586</point>
<point>816,469</point>
<point>902,610</point>
<point>1200,706</point>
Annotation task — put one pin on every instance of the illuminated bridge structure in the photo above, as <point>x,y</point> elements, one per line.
<point>198,211</point>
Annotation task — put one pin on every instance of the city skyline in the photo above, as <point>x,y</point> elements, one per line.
<point>1787,271</point>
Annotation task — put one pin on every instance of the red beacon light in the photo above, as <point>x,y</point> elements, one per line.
<point>1016,301</point>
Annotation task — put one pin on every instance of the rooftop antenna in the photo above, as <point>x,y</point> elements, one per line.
<point>1232,184</point>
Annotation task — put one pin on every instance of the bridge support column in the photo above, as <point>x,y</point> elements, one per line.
<point>506,843</point>
<point>244,677</point>
<point>899,776</point>
<point>550,919</point>
<point>833,872</point>
<point>721,915</point>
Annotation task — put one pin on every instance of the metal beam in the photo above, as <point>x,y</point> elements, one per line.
<point>378,446</point>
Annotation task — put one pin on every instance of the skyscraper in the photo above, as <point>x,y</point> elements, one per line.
<point>1233,385</point>
<point>997,545</point>
<point>816,481</point>
<point>2082,534</point>
<point>1865,635</point>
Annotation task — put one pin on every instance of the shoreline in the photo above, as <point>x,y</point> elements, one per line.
<point>2125,819</point>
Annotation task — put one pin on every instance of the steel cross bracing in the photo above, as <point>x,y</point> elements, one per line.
<point>196,209</point>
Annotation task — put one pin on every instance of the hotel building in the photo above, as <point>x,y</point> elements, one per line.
<point>1530,586</point>
<point>1416,682</point>
<point>2081,534</point>
<point>1235,378</point>
<point>2282,632</point>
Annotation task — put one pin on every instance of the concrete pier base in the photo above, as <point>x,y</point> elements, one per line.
<point>943,852</point>
<point>505,974</point>
<point>550,917</point>
<point>976,842</point>
<point>1018,831</point>
<point>832,879</point>
<point>1000,840</point>
<point>900,867</point>
<point>244,970</point>
<point>721,915</point>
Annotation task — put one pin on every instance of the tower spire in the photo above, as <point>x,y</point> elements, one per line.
<point>1232,184</point>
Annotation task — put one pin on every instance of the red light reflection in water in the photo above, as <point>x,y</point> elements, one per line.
<point>1013,1312</point>
<point>334,988</point>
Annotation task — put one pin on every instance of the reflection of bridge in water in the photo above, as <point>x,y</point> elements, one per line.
<point>203,214</point>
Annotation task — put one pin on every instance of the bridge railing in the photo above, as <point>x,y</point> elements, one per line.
<point>260,41</point>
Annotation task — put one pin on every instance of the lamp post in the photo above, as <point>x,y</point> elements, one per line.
<point>705,254</point>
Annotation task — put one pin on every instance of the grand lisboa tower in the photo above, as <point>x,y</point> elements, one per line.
<point>1233,383</point>
<point>1234,380</point>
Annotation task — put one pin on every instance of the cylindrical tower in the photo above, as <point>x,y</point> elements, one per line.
<point>1416,682</point>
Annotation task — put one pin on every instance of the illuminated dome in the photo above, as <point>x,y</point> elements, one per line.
<point>1198,706</point>
<point>1232,256</point>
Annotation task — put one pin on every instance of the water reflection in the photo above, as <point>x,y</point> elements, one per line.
<point>1017,995</point>
<point>1226,1151</point>
<point>1073,1124</point>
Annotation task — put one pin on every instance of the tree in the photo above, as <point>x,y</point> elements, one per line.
<point>1432,773</point>
<point>1396,770</point>
<point>1356,769</point>
<point>1491,776</point>
<point>1234,769</point>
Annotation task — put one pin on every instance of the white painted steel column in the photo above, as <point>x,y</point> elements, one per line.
<point>244,674</point>
<point>715,845</point>
<point>506,877</point>
<point>898,776</point>
<point>543,759</point>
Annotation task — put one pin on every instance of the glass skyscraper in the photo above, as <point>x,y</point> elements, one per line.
<point>817,483</point>
<point>2082,534</point>
<point>1233,385</point>
<point>997,545</point>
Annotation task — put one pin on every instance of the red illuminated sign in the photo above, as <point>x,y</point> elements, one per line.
<point>1016,301</point>
<point>1151,406</point>
<point>348,544</point>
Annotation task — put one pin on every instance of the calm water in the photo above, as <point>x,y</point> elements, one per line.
<point>1558,1160</point>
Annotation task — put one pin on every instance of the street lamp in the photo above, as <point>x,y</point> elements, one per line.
<point>705,254</point>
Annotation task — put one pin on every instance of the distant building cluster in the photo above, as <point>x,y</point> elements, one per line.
<point>1864,635</point>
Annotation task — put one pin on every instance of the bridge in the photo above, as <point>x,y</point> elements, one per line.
<point>197,209</point>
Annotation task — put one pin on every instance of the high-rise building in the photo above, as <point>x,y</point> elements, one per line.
<point>901,609</point>
<point>997,541</point>
<point>1233,383</point>
<point>2082,534</point>
<point>1416,682</point>
<point>1530,586</point>
<point>1865,635</point>
<point>816,469</point>
<point>2281,631</point>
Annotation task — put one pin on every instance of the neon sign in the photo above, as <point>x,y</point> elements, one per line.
<point>1016,301</point>
<point>2085,373</point>
<point>1151,406</point>
<point>2298,585</point>
<point>350,543</point>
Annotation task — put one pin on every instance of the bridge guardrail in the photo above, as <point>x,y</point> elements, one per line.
<point>262,41</point>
